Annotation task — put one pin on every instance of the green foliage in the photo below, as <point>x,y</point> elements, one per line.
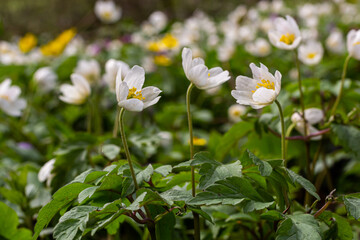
<point>299,226</point>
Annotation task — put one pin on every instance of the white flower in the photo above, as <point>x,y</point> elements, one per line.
<point>335,42</point>
<point>196,71</point>
<point>76,93</point>
<point>235,112</point>
<point>46,78</point>
<point>286,34</point>
<point>225,51</point>
<point>158,20</point>
<point>130,94</point>
<point>312,116</point>
<point>259,91</point>
<point>45,172</point>
<point>107,11</point>
<point>353,43</point>
<point>311,53</point>
<point>259,48</point>
<point>112,67</point>
<point>89,69</point>
<point>10,102</point>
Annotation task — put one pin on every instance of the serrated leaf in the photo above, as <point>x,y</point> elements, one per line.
<point>176,195</point>
<point>349,137</point>
<point>299,227</point>
<point>145,174</point>
<point>61,198</point>
<point>86,193</point>
<point>352,206</point>
<point>164,170</point>
<point>251,205</point>
<point>264,167</point>
<point>73,223</point>
<point>272,215</point>
<point>295,178</point>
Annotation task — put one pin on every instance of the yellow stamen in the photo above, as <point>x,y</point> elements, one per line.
<point>266,84</point>
<point>199,141</point>
<point>208,74</point>
<point>5,97</point>
<point>287,38</point>
<point>133,93</point>
<point>356,43</point>
<point>311,55</point>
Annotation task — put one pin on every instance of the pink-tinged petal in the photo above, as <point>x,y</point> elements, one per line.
<point>264,96</point>
<point>135,77</point>
<point>133,105</point>
<point>152,102</point>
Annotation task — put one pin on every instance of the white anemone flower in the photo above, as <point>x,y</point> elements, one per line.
<point>235,112</point>
<point>89,69</point>
<point>353,44</point>
<point>76,93</point>
<point>112,67</point>
<point>202,77</point>
<point>259,48</point>
<point>45,172</point>
<point>286,34</point>
<point>129,92</point>
<point>259,91</point>
<point>107,11</point>
<point>312,116</point>
<point>10,102</point>
<point>335,42</point>
<point>46,78</point>
<point>311,53</point>
<point>158,20</point>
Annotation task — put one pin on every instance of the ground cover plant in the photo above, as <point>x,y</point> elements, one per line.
<point>240,127</point>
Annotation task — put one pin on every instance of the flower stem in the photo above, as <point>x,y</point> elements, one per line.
<point>283,150</point>
<point>301,92</point>
<point>123,138</point>
<point>116,123</point>
<point>193,187</point>
<point>333,110</point>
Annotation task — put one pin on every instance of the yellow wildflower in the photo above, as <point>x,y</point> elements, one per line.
<point>169,41</point>
<point>57,46</point>
<point>162,60</point>
<point>199,141</point>
<point>27,42</point>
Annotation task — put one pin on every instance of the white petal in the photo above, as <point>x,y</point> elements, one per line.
<point>186,60</point>
<point>198,75</point>
<point>264,96</point>
<point>152,102</point>
<point>135,77</point>
<point>314,115</point>
<point>123,92</point>
<point>133,105</point>
<point>150,93</point>
<point>81,84</point>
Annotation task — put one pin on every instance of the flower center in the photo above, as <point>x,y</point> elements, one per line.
<point>107,15</point>
<point>356,43</point>
<point>266,84</point>
<point>287,38</point>
<point>133,93</point>
<point>237,113</point>
<point>5,97</point>
<point>311,55</point>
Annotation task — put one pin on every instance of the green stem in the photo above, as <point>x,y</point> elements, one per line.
<point>283,151</point>
<point>333,110</point>
<point>301,92</point>
<point>116,123</point>
<point>127,152</point>
<point>193,187</point>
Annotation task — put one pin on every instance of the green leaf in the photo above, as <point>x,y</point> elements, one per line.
<point>89,176</point>
<point>212,173</point>
<point>87,193</point>
<point>13,196</point>
<point>176,195</point>
<point>61,198</point>
<point>272,215</point>
<point>73,223</point>
<point>8,221</point>
<point>145,174</point>
<point>250,206</point>
<point>199,211</point>
<point>295,178</point>
<point>299,227</point>
<point>111,151</point>
<point>264,167</point>
<point>349,137</point>
<point>231,137</point>
<point>164,170</point>
<point>352,206</point>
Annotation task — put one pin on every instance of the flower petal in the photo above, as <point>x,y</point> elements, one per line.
<point>264,96</point>
<point>135,77</point>
<point>133,105</point>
